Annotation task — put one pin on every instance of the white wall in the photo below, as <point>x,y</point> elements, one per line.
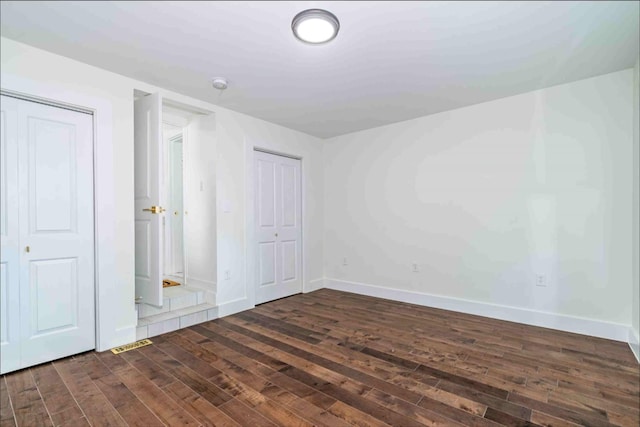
<point>200,203</point>
<point>235,132</point>
<point>482,198</point>
<point>635,298</point>
<point>486,198</point>
<point>238,135</point>
<point>62,77</point>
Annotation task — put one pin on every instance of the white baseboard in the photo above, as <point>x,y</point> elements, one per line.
<point>579,325</point>
<point>233,307</point>
<point>634,343</point>
<point>313,285</point>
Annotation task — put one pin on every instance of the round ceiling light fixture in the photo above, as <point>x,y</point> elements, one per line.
<point>315,26</point>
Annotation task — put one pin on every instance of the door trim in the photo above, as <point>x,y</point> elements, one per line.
<point>250,253</point>
<point>276,153</point>
<point>48,102</point>
<point>109,332</point>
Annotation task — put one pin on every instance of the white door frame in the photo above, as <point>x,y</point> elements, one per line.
<point>250,252</point>
<point>182,123</point>
<point>170,159</point>
<point>107,333</point>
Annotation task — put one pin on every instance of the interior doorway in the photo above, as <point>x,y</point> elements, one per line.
<point>175,198</point>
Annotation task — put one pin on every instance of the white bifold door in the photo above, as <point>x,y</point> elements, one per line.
<point>47,282</point>
<point>278,215</point>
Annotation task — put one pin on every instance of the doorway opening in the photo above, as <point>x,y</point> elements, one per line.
<point>176,241</point>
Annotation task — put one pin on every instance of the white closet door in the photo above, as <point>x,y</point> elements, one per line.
<point>9,237</point>
<point>55,158</point>
<point>148,185</point>
<point>278,227</point>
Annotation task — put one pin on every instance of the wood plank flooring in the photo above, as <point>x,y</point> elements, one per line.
<point>335,359</point>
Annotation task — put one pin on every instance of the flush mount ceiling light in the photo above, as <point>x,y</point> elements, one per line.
<point>315,26</point>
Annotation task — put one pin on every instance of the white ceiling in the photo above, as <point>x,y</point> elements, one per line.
<point>391,61</point>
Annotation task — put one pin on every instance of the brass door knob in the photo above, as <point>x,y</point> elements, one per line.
<point>155,209</point>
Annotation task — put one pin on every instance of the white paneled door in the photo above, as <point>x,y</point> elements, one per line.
<point>9,237</point>
<point>47,265</point>
<point>278,226</point>
<point>147,194</point>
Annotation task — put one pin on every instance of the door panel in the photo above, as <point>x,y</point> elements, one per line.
<point>9,237</point>
<point>267,260</point>
<point>289,260</point>
<point>53,280</point>
<point>4,174</point>
<point>278,227</point>
<point>57,308</point>
<point>4,304</point>
<point>52,176</point>
<point>148,168</point>
<point>142,230</point>
<point>289,195</point>
<point>266,193</point>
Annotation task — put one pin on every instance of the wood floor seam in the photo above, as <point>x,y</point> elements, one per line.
<point>15,419</point>
<point>73,397</point>
<point>44,403</point>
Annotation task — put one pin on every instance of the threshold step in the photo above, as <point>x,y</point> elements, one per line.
<point>173,320</point>
<point>175,298</point>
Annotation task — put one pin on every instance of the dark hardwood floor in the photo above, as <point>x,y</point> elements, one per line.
<point>335,359</point>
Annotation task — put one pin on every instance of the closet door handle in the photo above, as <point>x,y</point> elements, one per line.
<point>27,249</point>
<point>155,209</point>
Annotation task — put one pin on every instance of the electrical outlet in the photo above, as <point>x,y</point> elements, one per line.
<point>541,280</point>
<point>227,274</point>
<point>415,268</point>
<point>344,261</point>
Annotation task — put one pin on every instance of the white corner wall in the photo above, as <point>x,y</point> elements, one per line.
<point>238,136</point>
<point>201,204</point>
<point>634,335</point>
<point>235,134</point>
<point>517,208</point>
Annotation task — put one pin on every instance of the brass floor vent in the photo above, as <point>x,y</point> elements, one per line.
<point>131,346</point>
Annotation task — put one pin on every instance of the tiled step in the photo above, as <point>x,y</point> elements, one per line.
<point>175,298</point>
<point>162,323</point>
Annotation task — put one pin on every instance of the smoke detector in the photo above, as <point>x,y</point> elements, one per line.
<point>219,83</point>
